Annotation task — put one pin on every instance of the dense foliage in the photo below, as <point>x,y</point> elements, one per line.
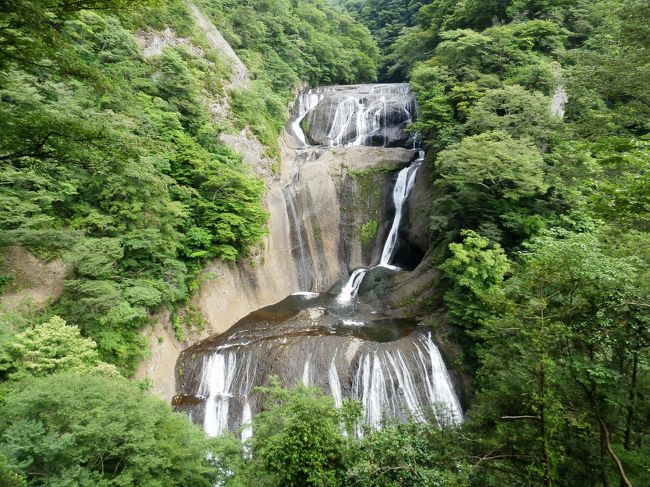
<point>92,430</point>
<point>540,225</point>
<point>300,439</point>
<point>112,159</point>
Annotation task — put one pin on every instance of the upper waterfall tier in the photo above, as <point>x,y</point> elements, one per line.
<point>374,114</point>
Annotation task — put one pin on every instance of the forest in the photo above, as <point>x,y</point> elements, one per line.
<point>535,115</point>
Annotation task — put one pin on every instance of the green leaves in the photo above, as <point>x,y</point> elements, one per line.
<point>71,429</point>
<point>494,165</point>
<point>485,178</point>
<point>512,109</point>
<point>47,348</point>
<point>297,440</point>
<point>474,265</point>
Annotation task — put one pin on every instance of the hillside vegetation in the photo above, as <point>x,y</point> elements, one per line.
<point>112,160</point>
<point>534,114</point>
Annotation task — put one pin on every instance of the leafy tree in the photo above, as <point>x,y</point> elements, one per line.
<point>297,438</point>
<point>514,110</point>
<point>46,348</point>
<point>409,454</point>
<point>565,325</point>
<point>28,29</point>
<point>476,270</point>
<point>484,177</point>
<point>71,429</point>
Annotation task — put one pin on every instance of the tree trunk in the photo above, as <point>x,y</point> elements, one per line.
<point>625,482</point>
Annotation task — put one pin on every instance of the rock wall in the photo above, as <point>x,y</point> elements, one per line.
<point>35,282</point>
<point>319,182</point>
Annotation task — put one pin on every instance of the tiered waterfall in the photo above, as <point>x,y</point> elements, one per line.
<point>322,337</point>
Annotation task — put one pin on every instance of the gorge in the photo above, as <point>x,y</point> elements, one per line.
<point>322,333</point>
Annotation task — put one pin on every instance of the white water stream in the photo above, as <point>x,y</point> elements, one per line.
<point>403,186</point>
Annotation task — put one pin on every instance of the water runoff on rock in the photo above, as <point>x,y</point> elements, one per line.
<point>391,366</point>
<point>372,114</point>
<point>403,185</point>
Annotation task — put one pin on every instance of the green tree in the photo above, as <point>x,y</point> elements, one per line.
<point>520,113</point>
<point>484,177</point>
<point>575,344</point>
<point>71,429</point>
<point>47,348</point>
<point>298,438</point>
<point>408,454</point>
<point>476,269</point>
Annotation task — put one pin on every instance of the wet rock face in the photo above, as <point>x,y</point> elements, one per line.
<point>390,365</point>
<point>374,115</point>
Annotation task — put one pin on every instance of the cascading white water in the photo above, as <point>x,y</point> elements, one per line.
<point>303,257</point>
<point>226,374</point>
<point>246,421</point>
<point>403,185</point>
<point>335,383</point>
<point>219,372</point>
<point>306,102</point>
<point>358,114</point>
<point>305,372</point>
<point>386,382</point>
<point>398,380</point>
<point>351,288</point>
<point>559,101</point>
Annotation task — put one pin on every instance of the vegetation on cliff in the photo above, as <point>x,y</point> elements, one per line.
<point>112,160</point>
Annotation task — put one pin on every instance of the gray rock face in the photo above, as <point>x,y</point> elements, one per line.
<point>391,366</point>
<point>373,115</point>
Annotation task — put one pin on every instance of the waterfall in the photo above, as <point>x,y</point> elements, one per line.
<point>226,374</point>
<point>219,375</point>
<point>404,383</point>
<point>390,365</point>
<point>306,372</point>
<point>399,379</point>
<point>303,258</point>
<point>246,421</point>
<point>559,101</point>
<point>305,103</point>
<point>374,114</point>
<point>403,186</point>
<point>351,288</point>
<point>335,383</point>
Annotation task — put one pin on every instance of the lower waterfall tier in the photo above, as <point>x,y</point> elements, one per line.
<point>390,365</point>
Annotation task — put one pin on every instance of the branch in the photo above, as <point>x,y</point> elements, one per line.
<point>523,416</point>
<point>632,303</point>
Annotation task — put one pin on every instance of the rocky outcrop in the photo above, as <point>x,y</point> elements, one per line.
<point>152,42</point>
<point>309,246</point>
<point>34,281</point>
<point>378,361</point>
<point>418,209</point>
<point>240,77</point>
